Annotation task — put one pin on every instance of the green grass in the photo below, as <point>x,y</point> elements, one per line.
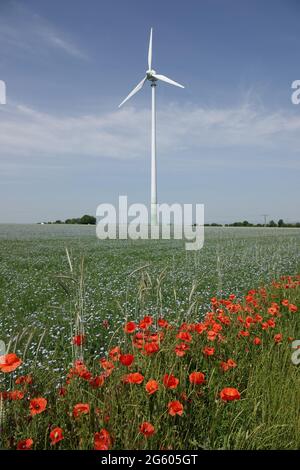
<point>39,301</point>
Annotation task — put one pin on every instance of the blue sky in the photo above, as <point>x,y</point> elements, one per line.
<point>229,140</point>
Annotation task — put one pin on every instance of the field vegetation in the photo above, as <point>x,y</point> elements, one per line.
<point>141,345</point>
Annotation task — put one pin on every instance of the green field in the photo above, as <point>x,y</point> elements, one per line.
<point>58,281</point>
<point>33,302</point>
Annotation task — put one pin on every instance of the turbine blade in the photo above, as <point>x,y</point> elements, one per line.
<point>134,91</point>
<point>167,80</point>
<point>150,51</point>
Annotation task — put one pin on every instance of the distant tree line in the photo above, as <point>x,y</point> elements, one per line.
<point>84,220</point>
<point>245,223</point>
<point>91,220</point>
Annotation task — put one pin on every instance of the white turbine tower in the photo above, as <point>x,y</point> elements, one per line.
<point>153,77</point>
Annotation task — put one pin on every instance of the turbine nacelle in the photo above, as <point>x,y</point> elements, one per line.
<point>150,75</point>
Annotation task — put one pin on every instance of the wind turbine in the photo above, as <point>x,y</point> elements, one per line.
<point>153,77</point>
<point>265,219</point>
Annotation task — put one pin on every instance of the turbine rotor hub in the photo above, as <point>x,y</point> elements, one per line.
<point>150,73</point>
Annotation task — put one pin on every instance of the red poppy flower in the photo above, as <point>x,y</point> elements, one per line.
<point>208,351</point>
<point>285,302</point>
<point>200,327</point>
<point>134,378</point>
<point>211,335</point>
<point>248,322</point>
<point>139,336</point>
<point>151,386</point>
<point>81,409</point>
<point>130,327</point>
<point>184,336</point>
<point>115,353</point>
<point>56,435</point>
<point>102,440</point>
<point>97,381</point>
<point>224,319</point>
<point>37,406</point>
<point>257,341</point>
<point>62,391</point>
<point>78,340</point>
<point>181,349</point>
<point>4,395</point>
<point>278,338</point>
<point>186,326</point>
<point>155,337</point>
<point>16,395</point>
<point>107,365</point>
<point>215,328</point>
<point>175,408</point>
<point>163,323</point>
<point>25,444</point>
<point>80,370</point>
<point>126,359</point>
<point>230,394</point>
<point>224,366</point>
<point>244,333</point>
<point>138,343</point>
<point>197,378</point>
<point>23,379</point>
<point>231,363</point>
<point>170,381</point>
<point>272,311</point>
<point>258,318</point>
<point>9,362</point>
<point>147,429</point>
<point>145,323</point>
<point>293,308</point>
<point>151,348</point>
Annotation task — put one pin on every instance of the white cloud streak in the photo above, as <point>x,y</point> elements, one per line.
<point>184,134</point>
<point>23,30</point>
<point>54,39</point>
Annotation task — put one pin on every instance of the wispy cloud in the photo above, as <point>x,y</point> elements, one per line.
<point>21,29</point>
<point>53,38</point>
<point>56,39</point>
<point>190,134</point>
